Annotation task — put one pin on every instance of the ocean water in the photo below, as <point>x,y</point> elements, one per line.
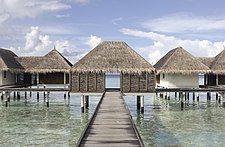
<point>27,122</point>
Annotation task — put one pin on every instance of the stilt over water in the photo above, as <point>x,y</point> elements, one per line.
<point>111,125</point>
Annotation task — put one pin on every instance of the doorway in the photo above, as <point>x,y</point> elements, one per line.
<point>112,80</point>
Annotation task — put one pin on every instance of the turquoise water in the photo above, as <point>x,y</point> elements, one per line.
<point>164,123</point>
<point>31,123</point>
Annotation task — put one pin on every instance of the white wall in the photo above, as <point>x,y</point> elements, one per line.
<point>179,81</point>
<point>9,80</point>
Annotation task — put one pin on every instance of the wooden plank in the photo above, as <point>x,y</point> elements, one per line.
<point>111,125</point>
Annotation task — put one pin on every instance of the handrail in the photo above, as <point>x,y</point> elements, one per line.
<point>89,122</point>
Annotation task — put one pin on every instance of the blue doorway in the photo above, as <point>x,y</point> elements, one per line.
<point>112,80</point>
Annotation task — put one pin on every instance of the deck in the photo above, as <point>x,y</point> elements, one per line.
<point>111,125</point>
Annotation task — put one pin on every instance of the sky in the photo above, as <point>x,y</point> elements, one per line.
<point>150,27</point>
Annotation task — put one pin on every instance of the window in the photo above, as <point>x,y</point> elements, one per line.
<point>4,74</point>
<point>163,76</point>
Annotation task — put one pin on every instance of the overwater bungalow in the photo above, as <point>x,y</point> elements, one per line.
<point>53,68</point>
<point>179,69</point>
<point>136,74</point>
<point>8,67</point>
<point>217,66</point>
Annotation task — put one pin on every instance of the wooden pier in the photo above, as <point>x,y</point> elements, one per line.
<point>111,124</point>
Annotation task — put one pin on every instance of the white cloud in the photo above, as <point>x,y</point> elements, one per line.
<point>93,41</point>
<point>179,23</point>
<point>37,44</point>
<point>28,8</point>
<point>116,20</point>
<point>162,44</point>
<point>82,2</point>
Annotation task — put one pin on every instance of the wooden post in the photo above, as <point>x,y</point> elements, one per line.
<point>30,92</point>
<point>138,102</point>
<point>197,95</point>
<point>68,95</point>
<point>208,96</point>
<point>18,95</point>
<point>37,94</point>
<point>14,95</point>
<point>168,96</point>
<point>5,97</point>
<point>44,92</point>
<point>25,95</point>
<point>175,94</point>
<point>8,96</point>
<point>86,101</point>
<point>82,103</point>
<point>193,96</point>
<point>188,96</point>
<point>216,96</point>
<point>182,100</point>
<point>142,104</point>
<point>219,97</point>
<point>47,99</point>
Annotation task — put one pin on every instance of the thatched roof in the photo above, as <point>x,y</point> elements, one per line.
<point>112,56</point>
<point>51,62</point>
<point>206,60</point>
<point>179,60</point>
<point>218,65</point>
<point>8,62</point>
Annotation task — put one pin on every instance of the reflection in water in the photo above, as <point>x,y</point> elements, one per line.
<point>30,123</point>
<point>164,124</point>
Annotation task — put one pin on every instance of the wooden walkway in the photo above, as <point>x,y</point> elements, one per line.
<point>111,125</point>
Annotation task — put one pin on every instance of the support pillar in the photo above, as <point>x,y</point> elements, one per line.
<point>138,102</point>
<point>197,95</point>
<point>25,95</point>
<point>193,96</point>
<point>18,95</point>
<point>14,95</point>
<point>219,98</point>
<point>5,98</point>
<point>44,92</point>
<point>142,104</point>
<point>175,94</point>
<point>8,96</point>
<point>86,101</point>
<point>68,95</point>
<point>47,99</point>
<point>82,103</point>
<point>208,96</point>
<point>182,100</point>
<point>37,94</point>
<point>216,96</point>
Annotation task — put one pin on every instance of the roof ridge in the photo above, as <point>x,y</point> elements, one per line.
<point>173,52</point>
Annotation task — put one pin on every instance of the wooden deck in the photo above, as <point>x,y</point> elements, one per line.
<point>111,125</point>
